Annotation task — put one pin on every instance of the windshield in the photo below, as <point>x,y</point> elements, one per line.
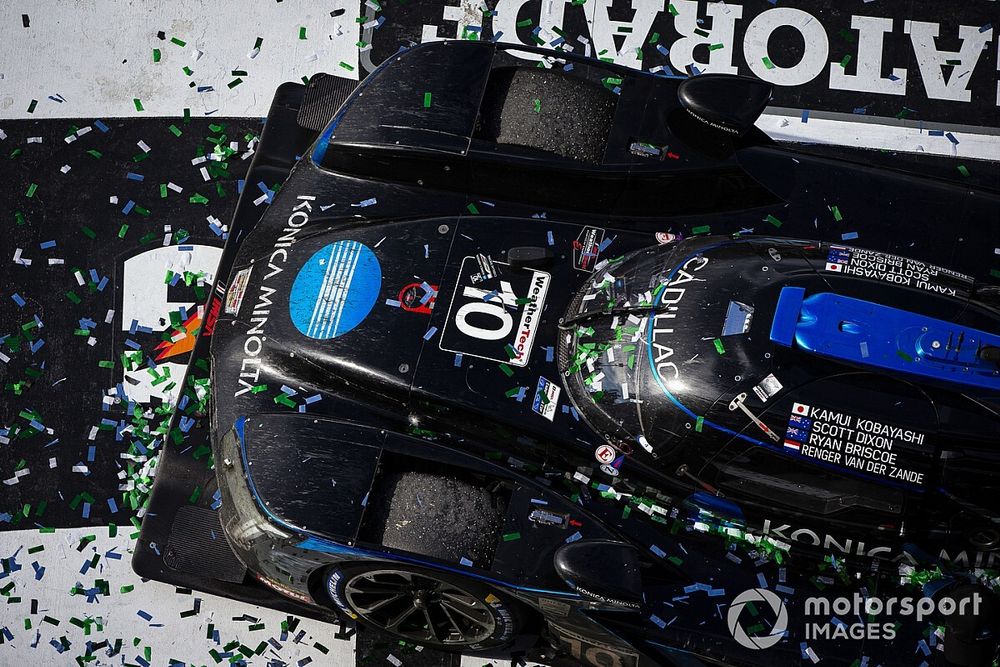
<point>655,337</point>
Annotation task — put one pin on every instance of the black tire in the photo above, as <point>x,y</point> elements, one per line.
<point>426,611</point>
<point>572,116</point>
<point>437,516</point>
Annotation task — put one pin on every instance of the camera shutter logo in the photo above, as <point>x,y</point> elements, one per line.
<point>760,597</point>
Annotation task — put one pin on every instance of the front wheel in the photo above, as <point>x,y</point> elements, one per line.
<point>423,606</point>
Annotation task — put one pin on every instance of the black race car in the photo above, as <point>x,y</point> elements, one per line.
<point>504,364</point>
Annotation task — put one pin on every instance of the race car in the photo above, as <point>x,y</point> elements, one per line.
<point>503,365</point>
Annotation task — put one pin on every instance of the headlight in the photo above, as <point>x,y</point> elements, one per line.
<point>242,518</point>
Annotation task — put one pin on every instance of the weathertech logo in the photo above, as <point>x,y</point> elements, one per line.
<point>756,636</point>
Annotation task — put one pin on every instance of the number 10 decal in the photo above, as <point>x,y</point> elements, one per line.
<point>495,317</point>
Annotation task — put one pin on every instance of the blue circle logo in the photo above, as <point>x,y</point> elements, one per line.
<point>335,290</point>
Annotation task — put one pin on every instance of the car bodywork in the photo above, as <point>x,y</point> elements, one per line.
<point>417,296</point>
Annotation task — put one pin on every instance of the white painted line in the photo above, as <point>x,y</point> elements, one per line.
<point>876,135</point>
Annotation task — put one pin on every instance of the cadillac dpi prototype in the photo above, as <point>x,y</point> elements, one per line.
<point>576,357</point>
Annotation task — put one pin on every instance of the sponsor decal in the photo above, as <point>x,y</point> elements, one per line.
<point>789,535</point>
<point>605,454</point>
<point>546,398</point>
<point>589,651</point>
<point>767,388</point>
<point>335,290</point>
<point>609,469</point>
<point>333,589</point>
<point>587,248</point>
<point>234,297</point>
<point>669,302</point>
<point>418,298</point>
<point>663,238</point>
<point>253,341</point>
<point>853,442</point>
<point>504,621</point>
<point>498,324</point>
<point>901,271</point>
<point>487,269</point>
<point>212,317</point>
<point>896,59</point>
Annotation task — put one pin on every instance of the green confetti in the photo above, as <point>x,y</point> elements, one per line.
<point>138,104</point>
<point>845,61</point>
<point>773,220</point>
<point>302,32</point>
<point>703,229</point>
<point>715,47</point>
<point>176,130</point>
<point>836,213</point>
<point>538,105</point>
<point>767,62</point>
<point>31,107</point>
<point>178,42</point>
<point>673,10</point>
<point>122,231</point>
<point>963,170</point>
<point>427,100</point>
<point>349,68</point>
<point>699,424</point>
<point>156,55</point>
<point>719,347</point>
<point>510,537</point>
<point>88,232</point>
<point>31,190</point>
<point>472,209</point>
<point>524,24</point>
<point>235,82</point>
<point>904,356</point>
<point>506,370</point>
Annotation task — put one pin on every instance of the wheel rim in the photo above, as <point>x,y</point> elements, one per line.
<point>419,607</point>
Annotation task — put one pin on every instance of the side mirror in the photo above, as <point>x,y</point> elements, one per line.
<point>602,571</point>
<point>728,103</point>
